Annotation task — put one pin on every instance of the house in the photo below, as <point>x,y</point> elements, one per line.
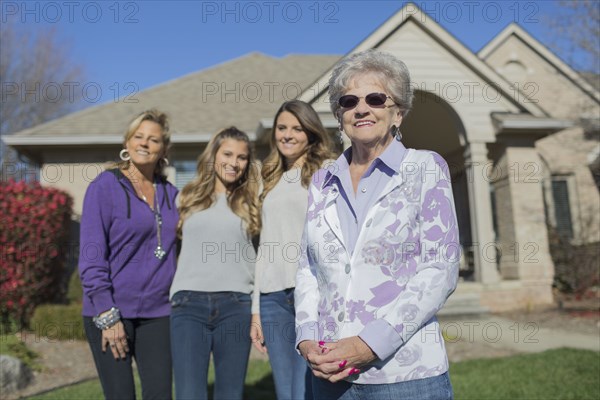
<point>517,126</point>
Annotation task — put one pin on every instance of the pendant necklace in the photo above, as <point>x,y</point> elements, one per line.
<point>159,252</point>
<point>139,192</point>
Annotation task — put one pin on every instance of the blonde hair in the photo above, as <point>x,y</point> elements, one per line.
<point>199,194</point>
<point>317,151</point>
<point>162,120</point>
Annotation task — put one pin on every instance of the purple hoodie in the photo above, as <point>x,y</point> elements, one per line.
<point>117,265</point>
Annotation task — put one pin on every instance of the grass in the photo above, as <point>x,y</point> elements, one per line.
<point>90,390</point>
<point>553,374</point>
<point>259,385</point>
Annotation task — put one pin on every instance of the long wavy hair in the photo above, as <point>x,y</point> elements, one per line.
<point>318,150</point>
<point>199,194</point>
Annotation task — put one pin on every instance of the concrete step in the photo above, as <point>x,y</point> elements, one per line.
<point>463,311</point>
<point>466,303</point>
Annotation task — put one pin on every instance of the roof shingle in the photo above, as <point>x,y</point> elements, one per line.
<point>238,92</point>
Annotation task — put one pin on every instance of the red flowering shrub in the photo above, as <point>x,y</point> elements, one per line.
<point>34,232</point>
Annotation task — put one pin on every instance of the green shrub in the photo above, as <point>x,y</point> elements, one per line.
<point>58,322</point>
<point>10,345</point>
<point>576,267</point>
<point>33,240</point>
<point>75,291</point>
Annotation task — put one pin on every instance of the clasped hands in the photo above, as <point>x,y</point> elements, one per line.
<point>335,361</point>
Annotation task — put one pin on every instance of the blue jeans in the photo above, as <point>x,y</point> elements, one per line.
<point>290,372</point>
<point>205,322</point>
<point>434,388</point>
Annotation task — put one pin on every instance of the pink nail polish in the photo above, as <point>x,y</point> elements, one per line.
<point>323,350</point>
<point>354,371</point>
<point>321,343</point>
<point>343,363</point>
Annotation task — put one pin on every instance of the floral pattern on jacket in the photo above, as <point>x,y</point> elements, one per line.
<point>404,267</point>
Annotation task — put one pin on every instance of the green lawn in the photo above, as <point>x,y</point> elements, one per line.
<point>554,374</point>
<point>259,385</point>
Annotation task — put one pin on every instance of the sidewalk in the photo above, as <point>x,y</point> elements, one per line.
<point>489,335</point>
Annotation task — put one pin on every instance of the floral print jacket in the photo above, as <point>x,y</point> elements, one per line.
<point>404,267</point>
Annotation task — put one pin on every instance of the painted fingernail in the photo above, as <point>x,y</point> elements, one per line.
<point>343,363</point>
<point>354,371</point>
<point>323,349</point>
<point>321,343</point>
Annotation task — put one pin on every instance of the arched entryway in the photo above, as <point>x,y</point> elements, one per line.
<point>433,124</point>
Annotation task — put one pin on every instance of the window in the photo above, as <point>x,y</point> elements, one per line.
<point>185,171</point>
<point>562,208</point>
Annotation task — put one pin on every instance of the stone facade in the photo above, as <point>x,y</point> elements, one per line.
<point>564,155</point>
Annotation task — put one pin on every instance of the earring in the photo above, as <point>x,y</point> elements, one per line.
<point>340,135</point>
<point>124,155</point>
<point>395,132</point>
<point>166,161</point>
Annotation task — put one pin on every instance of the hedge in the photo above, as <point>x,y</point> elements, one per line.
<point>33,248</point>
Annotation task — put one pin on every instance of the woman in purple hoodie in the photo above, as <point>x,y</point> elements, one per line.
<point>127,262</point>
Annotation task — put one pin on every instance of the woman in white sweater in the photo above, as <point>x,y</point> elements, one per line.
<point>210,295</point>
<point>299,146</point>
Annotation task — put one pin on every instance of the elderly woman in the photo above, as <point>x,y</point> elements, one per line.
<point>380,248</point>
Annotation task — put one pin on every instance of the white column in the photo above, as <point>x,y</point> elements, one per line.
<point>480,208</point>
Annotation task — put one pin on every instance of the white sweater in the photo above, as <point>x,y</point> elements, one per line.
<point>283,214</point>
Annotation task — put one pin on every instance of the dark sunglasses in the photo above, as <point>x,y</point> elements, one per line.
<point>372,99</point>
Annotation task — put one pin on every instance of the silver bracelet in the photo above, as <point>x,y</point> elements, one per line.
<point>112,317</point>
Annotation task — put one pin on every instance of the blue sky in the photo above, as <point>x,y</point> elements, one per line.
<point>131,46</point>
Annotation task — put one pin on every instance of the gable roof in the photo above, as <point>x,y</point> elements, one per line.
<point>411,12</point>
<point>514,30</point>
<point>239,92</point>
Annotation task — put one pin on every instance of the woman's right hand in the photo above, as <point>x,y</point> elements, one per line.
<point>256,334</point>
<point>308,347</point>
<point>115,338</point>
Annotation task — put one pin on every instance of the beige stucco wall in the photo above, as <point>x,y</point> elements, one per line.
<point>73,178</point>
<point>73,170</point>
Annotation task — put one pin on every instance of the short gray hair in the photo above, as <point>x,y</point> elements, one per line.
<point>394,74</point>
